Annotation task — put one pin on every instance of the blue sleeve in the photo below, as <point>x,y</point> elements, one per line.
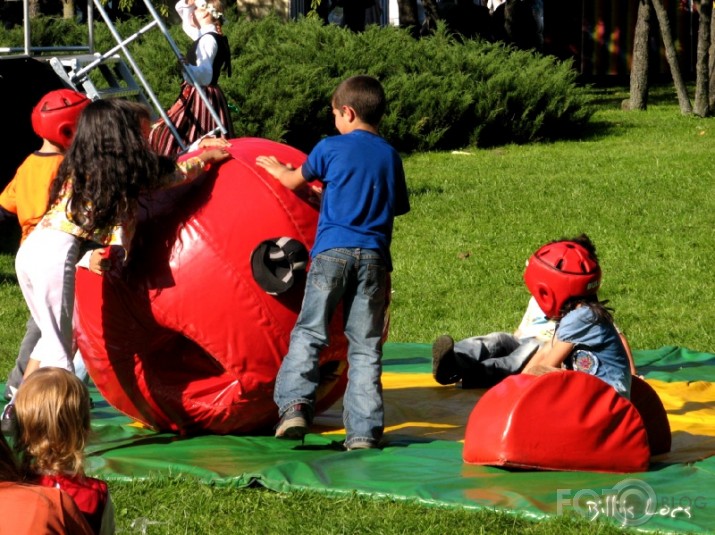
<point>579,327</point>
<point>314,166</point>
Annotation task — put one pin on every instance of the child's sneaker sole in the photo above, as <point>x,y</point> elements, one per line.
<point>294,422</point>
<point>361,445</point>
<point>294,428</point>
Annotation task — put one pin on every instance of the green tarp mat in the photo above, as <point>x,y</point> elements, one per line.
<point>422,458</point>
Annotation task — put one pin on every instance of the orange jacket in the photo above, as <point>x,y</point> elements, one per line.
<point>30,509</point>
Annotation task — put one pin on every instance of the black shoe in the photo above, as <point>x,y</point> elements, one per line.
<point>444,363</point>
<point>294,422</point>
<point>8,420</point>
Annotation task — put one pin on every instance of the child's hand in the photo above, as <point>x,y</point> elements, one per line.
<point>100,261</point>
<point>213,142</point>
<point>316,195</point>
<point>215,155</point>
<point>271,164</point>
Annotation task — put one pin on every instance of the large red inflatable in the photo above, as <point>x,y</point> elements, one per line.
<point>566,421</point>
<point>185,339</point>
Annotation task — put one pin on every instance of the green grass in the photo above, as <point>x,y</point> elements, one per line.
<point>640,184</point>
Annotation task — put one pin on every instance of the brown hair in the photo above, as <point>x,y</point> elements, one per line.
<point>52,407</point>
<point>365,95</point>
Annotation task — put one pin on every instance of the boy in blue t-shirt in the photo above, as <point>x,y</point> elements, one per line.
<point>363,190</point>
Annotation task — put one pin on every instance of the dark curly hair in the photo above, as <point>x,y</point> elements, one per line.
<point>110,163</point>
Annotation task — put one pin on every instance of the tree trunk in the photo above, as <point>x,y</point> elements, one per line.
<point>639,67</point>
<point>407,10</point>
<point>702,69</point>
<point>68,9</point>
<point>431,14</point>
<point>34,8</point>
<point>671,56</point>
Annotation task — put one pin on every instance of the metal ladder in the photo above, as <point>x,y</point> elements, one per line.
<point>120,80</point>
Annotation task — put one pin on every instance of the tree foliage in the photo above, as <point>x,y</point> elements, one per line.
<point>442,94</point>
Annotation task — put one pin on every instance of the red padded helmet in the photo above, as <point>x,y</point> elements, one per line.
<point>560,271</point>
<point>55,116</point>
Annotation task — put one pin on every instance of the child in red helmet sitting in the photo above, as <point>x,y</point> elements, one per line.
<point>563,276</point>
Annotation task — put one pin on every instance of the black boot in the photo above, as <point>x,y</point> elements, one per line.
<point>444,363</point>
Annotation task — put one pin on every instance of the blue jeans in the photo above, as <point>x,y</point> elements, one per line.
<point>358,278</point>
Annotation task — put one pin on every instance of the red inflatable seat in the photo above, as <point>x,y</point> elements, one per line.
<point>560,421</point>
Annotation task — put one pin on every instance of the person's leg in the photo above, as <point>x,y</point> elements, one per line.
<point>32,335</point>
<point>298,376</point>
<point>364,309</point>
<point>462,360</point>
<point>492,370</point>
<point>45,266</point>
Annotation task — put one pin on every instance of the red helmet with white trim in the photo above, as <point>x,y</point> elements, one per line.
<point>55,117</point>
<point>560,271</point>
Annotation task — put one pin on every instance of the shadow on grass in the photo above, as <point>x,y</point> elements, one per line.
<point>612,97</point>
<point>426,190</point>
<point>8,278</point>
<point>9,238</point>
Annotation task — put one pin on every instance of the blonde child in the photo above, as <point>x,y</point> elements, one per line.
<point>53,413</point>
<point>28,509</point>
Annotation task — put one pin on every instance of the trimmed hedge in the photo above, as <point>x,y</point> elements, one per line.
<point>442,94</point>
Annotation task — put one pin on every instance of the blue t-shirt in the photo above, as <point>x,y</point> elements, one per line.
<point>363,190</point>
<point>598,348</point>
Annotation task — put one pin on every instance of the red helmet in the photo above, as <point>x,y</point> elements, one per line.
<point>55,117</point>
<point>560,271</point>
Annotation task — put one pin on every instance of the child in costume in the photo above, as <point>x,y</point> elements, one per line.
<point>208,55</point>
<point>363,190</point>
<point>482,361</point>
<point>94,202</point>
<point>25,198</point>
<point>53,412</point>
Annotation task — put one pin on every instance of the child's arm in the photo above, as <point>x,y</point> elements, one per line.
<point>288,176</point>
<point>191,169</point>
<point>32,365</point>
<point>629,353</point>
<point>186,10</point>
<point>550,355</point>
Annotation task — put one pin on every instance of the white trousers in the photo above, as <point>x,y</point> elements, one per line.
<point>45,266</point>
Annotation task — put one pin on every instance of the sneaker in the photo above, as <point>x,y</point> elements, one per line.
<point>294,422</point>
<point>361,444</point>
<point>444,363</point>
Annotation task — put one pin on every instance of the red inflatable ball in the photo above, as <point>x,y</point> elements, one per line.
<point>565,420</point>
<point>185,339</point>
